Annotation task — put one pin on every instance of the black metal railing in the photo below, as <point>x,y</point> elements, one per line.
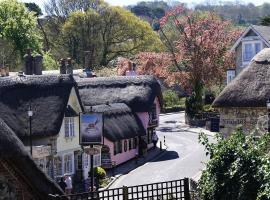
<point>170,190</point>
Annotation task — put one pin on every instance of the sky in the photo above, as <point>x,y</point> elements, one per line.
<point>133,2</point>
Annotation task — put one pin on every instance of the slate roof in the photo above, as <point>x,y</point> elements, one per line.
<point>119,121</point>
<point>251,88</point>
<point>138,92</point>
<point>48,96</point>
<point>13,152</point>
<point>264,31</point>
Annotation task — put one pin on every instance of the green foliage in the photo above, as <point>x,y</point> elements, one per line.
<point>170,98</point>
<point>99,173</point>
<point>238,168</point>
<point>48,62</point>
<point>208,108</point>
<point>34,8</point>
<point>19,26</point>
<point>107,35</point>
<point>265,21</point>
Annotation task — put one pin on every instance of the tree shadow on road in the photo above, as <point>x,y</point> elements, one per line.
<point>168,155</point>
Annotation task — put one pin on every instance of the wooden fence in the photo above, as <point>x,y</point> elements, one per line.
<point>170,190</point>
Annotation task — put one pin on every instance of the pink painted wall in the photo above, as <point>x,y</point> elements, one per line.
<point>129,154</point>
<point>121,157</point>
<point>144,117</point>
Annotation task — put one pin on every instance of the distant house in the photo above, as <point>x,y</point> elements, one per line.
<point>55,122</point>
<point>243,101</point>
<point>20,177</point>
<point>142,94</point>
<point>251,41</point>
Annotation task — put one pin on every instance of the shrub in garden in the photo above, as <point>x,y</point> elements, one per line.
<point>170,98</point>
<point>99,173</point>
<point>238,169</point>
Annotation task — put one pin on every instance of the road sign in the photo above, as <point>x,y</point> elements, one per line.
<point>92,151</point>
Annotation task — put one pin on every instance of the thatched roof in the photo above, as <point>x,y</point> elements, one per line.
<point>251,88</point>
<point>138,92</point>
<point>119,122</point>
<point>48,96</point>
<point>13,152</point>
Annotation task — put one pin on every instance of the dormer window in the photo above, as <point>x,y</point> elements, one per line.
<point>69,127</point>
<point>250,49</point>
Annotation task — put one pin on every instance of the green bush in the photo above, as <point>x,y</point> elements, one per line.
<point>192,106</point>
<point>170,98</point>
<point>48,62</point>
<point>239,168</point>
<point>99,173</point>
<point>208,108</point>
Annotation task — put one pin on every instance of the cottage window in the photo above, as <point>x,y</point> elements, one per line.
<point>230,76</point>
<point>68,167</point>
<point>117,147</point>
<point>130,144</point>
<point>135,143</point>
<point>86,160</point>
<point>125,145</point>
<point>149,135</point>
<point>69,127</point>
<point>97,160</point>
<point>250,49</point>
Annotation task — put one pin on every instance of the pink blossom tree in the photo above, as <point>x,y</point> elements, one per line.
<point>198,55</point>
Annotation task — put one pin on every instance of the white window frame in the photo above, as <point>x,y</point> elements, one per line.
<point>86,160</point>
<point>69,127</point>
<point>244,63</point>
<point>230,76</point>
<point>96,160</point>
<point>71,170</point>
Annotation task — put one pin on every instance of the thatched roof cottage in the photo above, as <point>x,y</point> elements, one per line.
<point>243,101</point>
<point>20,177</point>
<point>120,124</point>
<point>56,105</point>
<point>142,97</point>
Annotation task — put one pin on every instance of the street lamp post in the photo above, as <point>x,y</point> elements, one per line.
<point>268,113</point>
<point>30,114</point>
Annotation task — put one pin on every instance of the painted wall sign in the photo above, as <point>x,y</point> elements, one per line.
<point>91,128</point>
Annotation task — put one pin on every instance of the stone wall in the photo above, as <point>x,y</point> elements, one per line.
<point>247,118</point>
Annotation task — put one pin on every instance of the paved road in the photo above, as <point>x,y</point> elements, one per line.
<point>183,158</point>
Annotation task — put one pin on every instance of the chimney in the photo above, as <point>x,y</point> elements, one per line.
<point>7,70</point>
<point>69,66</point>
<point>38,64</point>
<point>28,59</point>
<point>131,69</point>
<point>63,66</point>
<point>3,71</point>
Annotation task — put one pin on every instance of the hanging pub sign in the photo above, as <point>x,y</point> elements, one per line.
<point>91,128</point>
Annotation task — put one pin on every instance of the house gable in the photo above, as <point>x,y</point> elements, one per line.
<point>65,143</point>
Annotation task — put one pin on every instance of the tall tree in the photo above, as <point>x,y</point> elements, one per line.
<point>18,26</point>
<point>107,35</point>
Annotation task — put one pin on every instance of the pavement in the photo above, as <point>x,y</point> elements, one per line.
<point>132,164</point>
<point>157,155</point>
